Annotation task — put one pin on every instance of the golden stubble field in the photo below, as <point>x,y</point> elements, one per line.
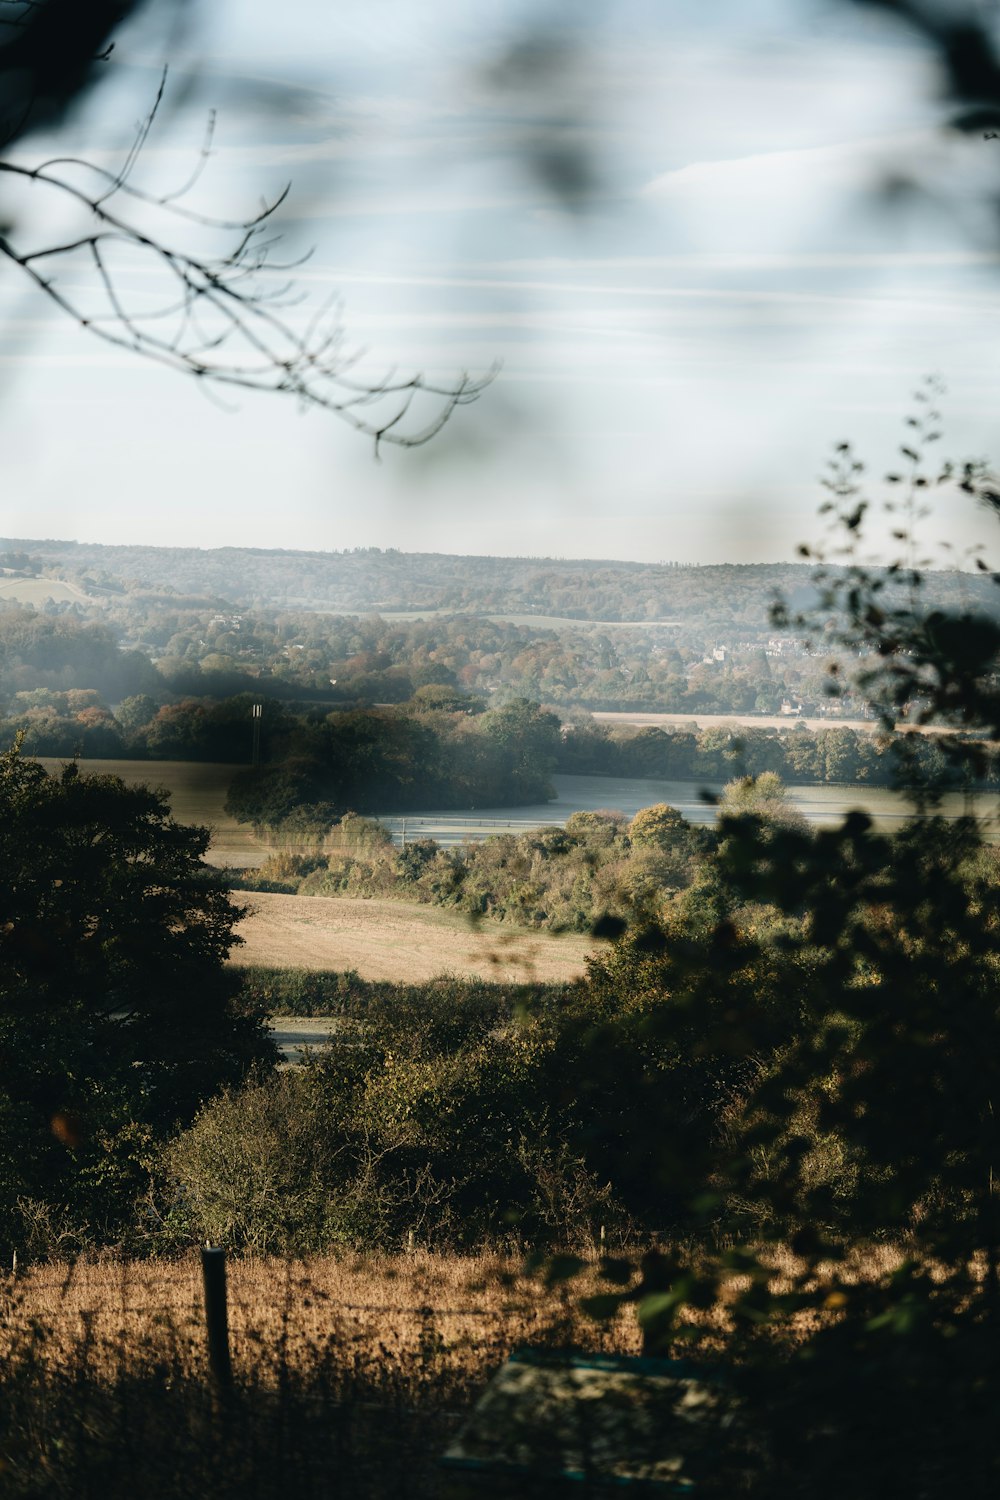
<point>397,940</point>
<point>384,1307</point>
<point>351,1374</point>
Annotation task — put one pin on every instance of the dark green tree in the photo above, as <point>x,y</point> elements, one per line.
<point>116,1008</point>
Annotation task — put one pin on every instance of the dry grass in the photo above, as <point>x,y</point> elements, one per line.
<point>351,1376</point>
<point>382,1308</point>
<point>398,940</point>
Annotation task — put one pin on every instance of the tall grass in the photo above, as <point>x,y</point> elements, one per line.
<point>350,1375</point>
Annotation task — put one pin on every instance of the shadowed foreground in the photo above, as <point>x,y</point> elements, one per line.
<point>350,1377</point>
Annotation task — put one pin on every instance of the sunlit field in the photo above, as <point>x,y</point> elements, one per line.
<point>399,940</point>
<point>351,1375</point>
<point>40,590</point>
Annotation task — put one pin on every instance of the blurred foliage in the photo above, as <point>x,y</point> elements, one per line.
<point>872,1119</point>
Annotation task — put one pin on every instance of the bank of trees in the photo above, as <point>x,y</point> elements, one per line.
<point>59,653</point>
<point>557,879</point>
<point>395,761</point>
<point>717,653</point>
<point>117,1015</point>
<point>837,755</point>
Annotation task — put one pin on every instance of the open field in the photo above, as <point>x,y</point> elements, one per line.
<point>382,1301</point>
<point>399,940</point>
<point>39,590</point>
<point>352,1374</point>
<point>197,793</point>
<point>378,1300</point>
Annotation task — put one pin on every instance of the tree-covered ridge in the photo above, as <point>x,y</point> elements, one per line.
<point>369,580</point>
<point>700,641</point>
<point>193,650</point>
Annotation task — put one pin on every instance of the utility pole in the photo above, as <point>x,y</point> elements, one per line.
<point>256,713</point>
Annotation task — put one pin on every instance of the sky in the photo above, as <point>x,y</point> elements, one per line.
<point>665,224</point>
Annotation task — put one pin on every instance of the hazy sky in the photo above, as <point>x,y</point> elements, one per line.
<point>663,218</point>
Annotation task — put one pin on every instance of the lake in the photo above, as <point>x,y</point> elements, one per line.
<point>817,804</point>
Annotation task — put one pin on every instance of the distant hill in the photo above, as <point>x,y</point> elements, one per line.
<point>371,581</point>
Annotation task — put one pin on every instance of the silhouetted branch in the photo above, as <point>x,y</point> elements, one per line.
<point>231,322</point>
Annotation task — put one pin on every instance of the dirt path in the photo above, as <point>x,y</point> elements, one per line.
<point>399,941</point>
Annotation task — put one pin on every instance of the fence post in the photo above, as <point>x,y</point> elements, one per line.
<point>213,1270</point>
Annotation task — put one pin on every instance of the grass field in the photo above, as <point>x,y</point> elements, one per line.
<point>38,590</point>
<point>399,940</point>
<point>197,794</point>
<point>380,939</point>
<point>352,1374</point>
<point>382,1299</point>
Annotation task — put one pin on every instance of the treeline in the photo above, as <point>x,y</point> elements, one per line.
<point>270,993</point>
<point>703,661</point>
<point>367,580</point>
<point>58,653</point>
<point>400,760</point>
<point>837,755</point>
<point>142,727</point>
<point>599,865</point>
<point>441,748</point>
<point>380,660</point>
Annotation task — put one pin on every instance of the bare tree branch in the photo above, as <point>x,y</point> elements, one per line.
<point>232,312</point>
<point>227,317</point>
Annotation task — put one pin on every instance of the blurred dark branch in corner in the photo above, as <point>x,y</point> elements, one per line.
<point>964,42</point>
<point>52,53</point>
